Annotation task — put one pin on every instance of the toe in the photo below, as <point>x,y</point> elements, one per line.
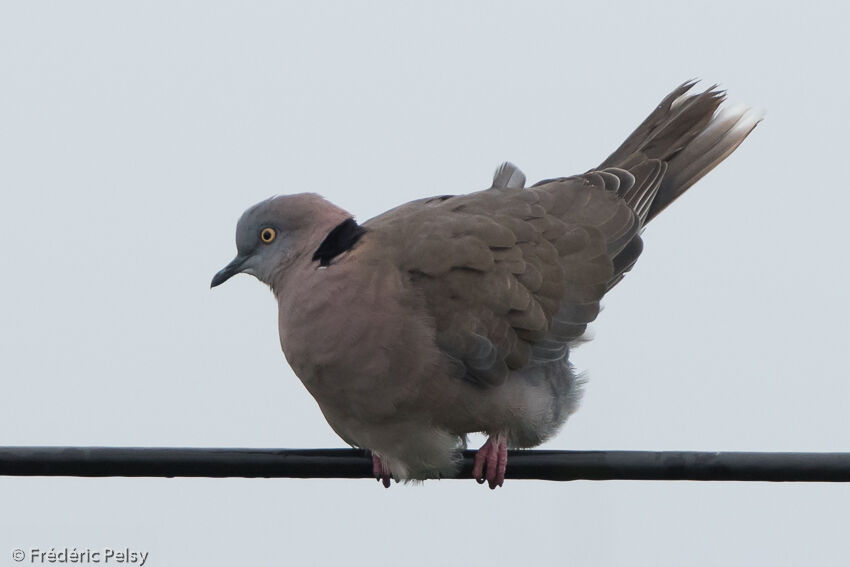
<point>478,463</point>
<point>377,467</point>
<point>380,471</point>
<point>503,463</point>
<point>493,467</point>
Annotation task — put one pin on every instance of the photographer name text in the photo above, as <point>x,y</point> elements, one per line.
<point>106,555</point>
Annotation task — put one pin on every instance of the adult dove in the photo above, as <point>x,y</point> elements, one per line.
<point>456,314</point>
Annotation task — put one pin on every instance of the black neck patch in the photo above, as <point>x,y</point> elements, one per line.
<point>340,239</point>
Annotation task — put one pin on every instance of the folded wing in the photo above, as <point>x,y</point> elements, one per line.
<point>511,276</point>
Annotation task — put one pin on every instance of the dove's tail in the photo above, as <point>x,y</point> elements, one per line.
<point>688,134</point>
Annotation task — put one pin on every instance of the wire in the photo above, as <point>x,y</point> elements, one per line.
<point>353,463</point>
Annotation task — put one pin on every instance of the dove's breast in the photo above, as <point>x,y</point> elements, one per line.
<point>356,340</point>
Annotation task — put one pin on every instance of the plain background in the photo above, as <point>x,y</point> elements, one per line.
<point>132,136</point>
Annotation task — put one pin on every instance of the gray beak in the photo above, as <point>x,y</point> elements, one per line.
<point>228,271</point>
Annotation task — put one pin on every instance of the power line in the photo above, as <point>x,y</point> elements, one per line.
<point>353,463</point>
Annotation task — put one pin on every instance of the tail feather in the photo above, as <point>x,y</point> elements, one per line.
<point>648,176</point>
<point>688,134</point>
<point>723,135</point>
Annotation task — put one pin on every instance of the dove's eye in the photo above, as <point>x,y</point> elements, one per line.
<point>268,235</point>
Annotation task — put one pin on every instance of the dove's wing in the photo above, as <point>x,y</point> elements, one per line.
<point>510,275</point>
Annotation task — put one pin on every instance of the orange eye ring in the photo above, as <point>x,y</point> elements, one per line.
<point>268,234</point>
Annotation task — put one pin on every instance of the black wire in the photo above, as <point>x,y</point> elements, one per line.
<point>352,463</point>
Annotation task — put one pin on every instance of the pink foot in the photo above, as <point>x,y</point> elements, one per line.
<point>491,460</point>
<point>380,471</point>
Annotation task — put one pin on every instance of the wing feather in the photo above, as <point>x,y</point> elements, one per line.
<point>511,276</point>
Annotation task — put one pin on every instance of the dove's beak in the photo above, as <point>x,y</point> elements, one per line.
<point>229,271</point>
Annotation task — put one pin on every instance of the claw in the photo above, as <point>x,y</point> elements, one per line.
<point>380,471</point>
<point>491,461</point>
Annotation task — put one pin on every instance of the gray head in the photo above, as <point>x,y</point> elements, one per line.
<point>274,233</point>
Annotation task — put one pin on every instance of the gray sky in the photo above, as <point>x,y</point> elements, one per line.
<point>133,135</point>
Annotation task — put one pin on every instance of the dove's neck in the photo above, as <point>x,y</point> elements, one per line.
<point>321,219</point>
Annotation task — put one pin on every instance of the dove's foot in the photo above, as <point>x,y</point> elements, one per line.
<point>381,471</point>
<point>491,460</point>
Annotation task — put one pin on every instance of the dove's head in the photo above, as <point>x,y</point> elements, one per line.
<point>274,233</point>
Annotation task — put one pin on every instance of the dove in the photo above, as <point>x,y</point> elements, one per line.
<point>456,314</point>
